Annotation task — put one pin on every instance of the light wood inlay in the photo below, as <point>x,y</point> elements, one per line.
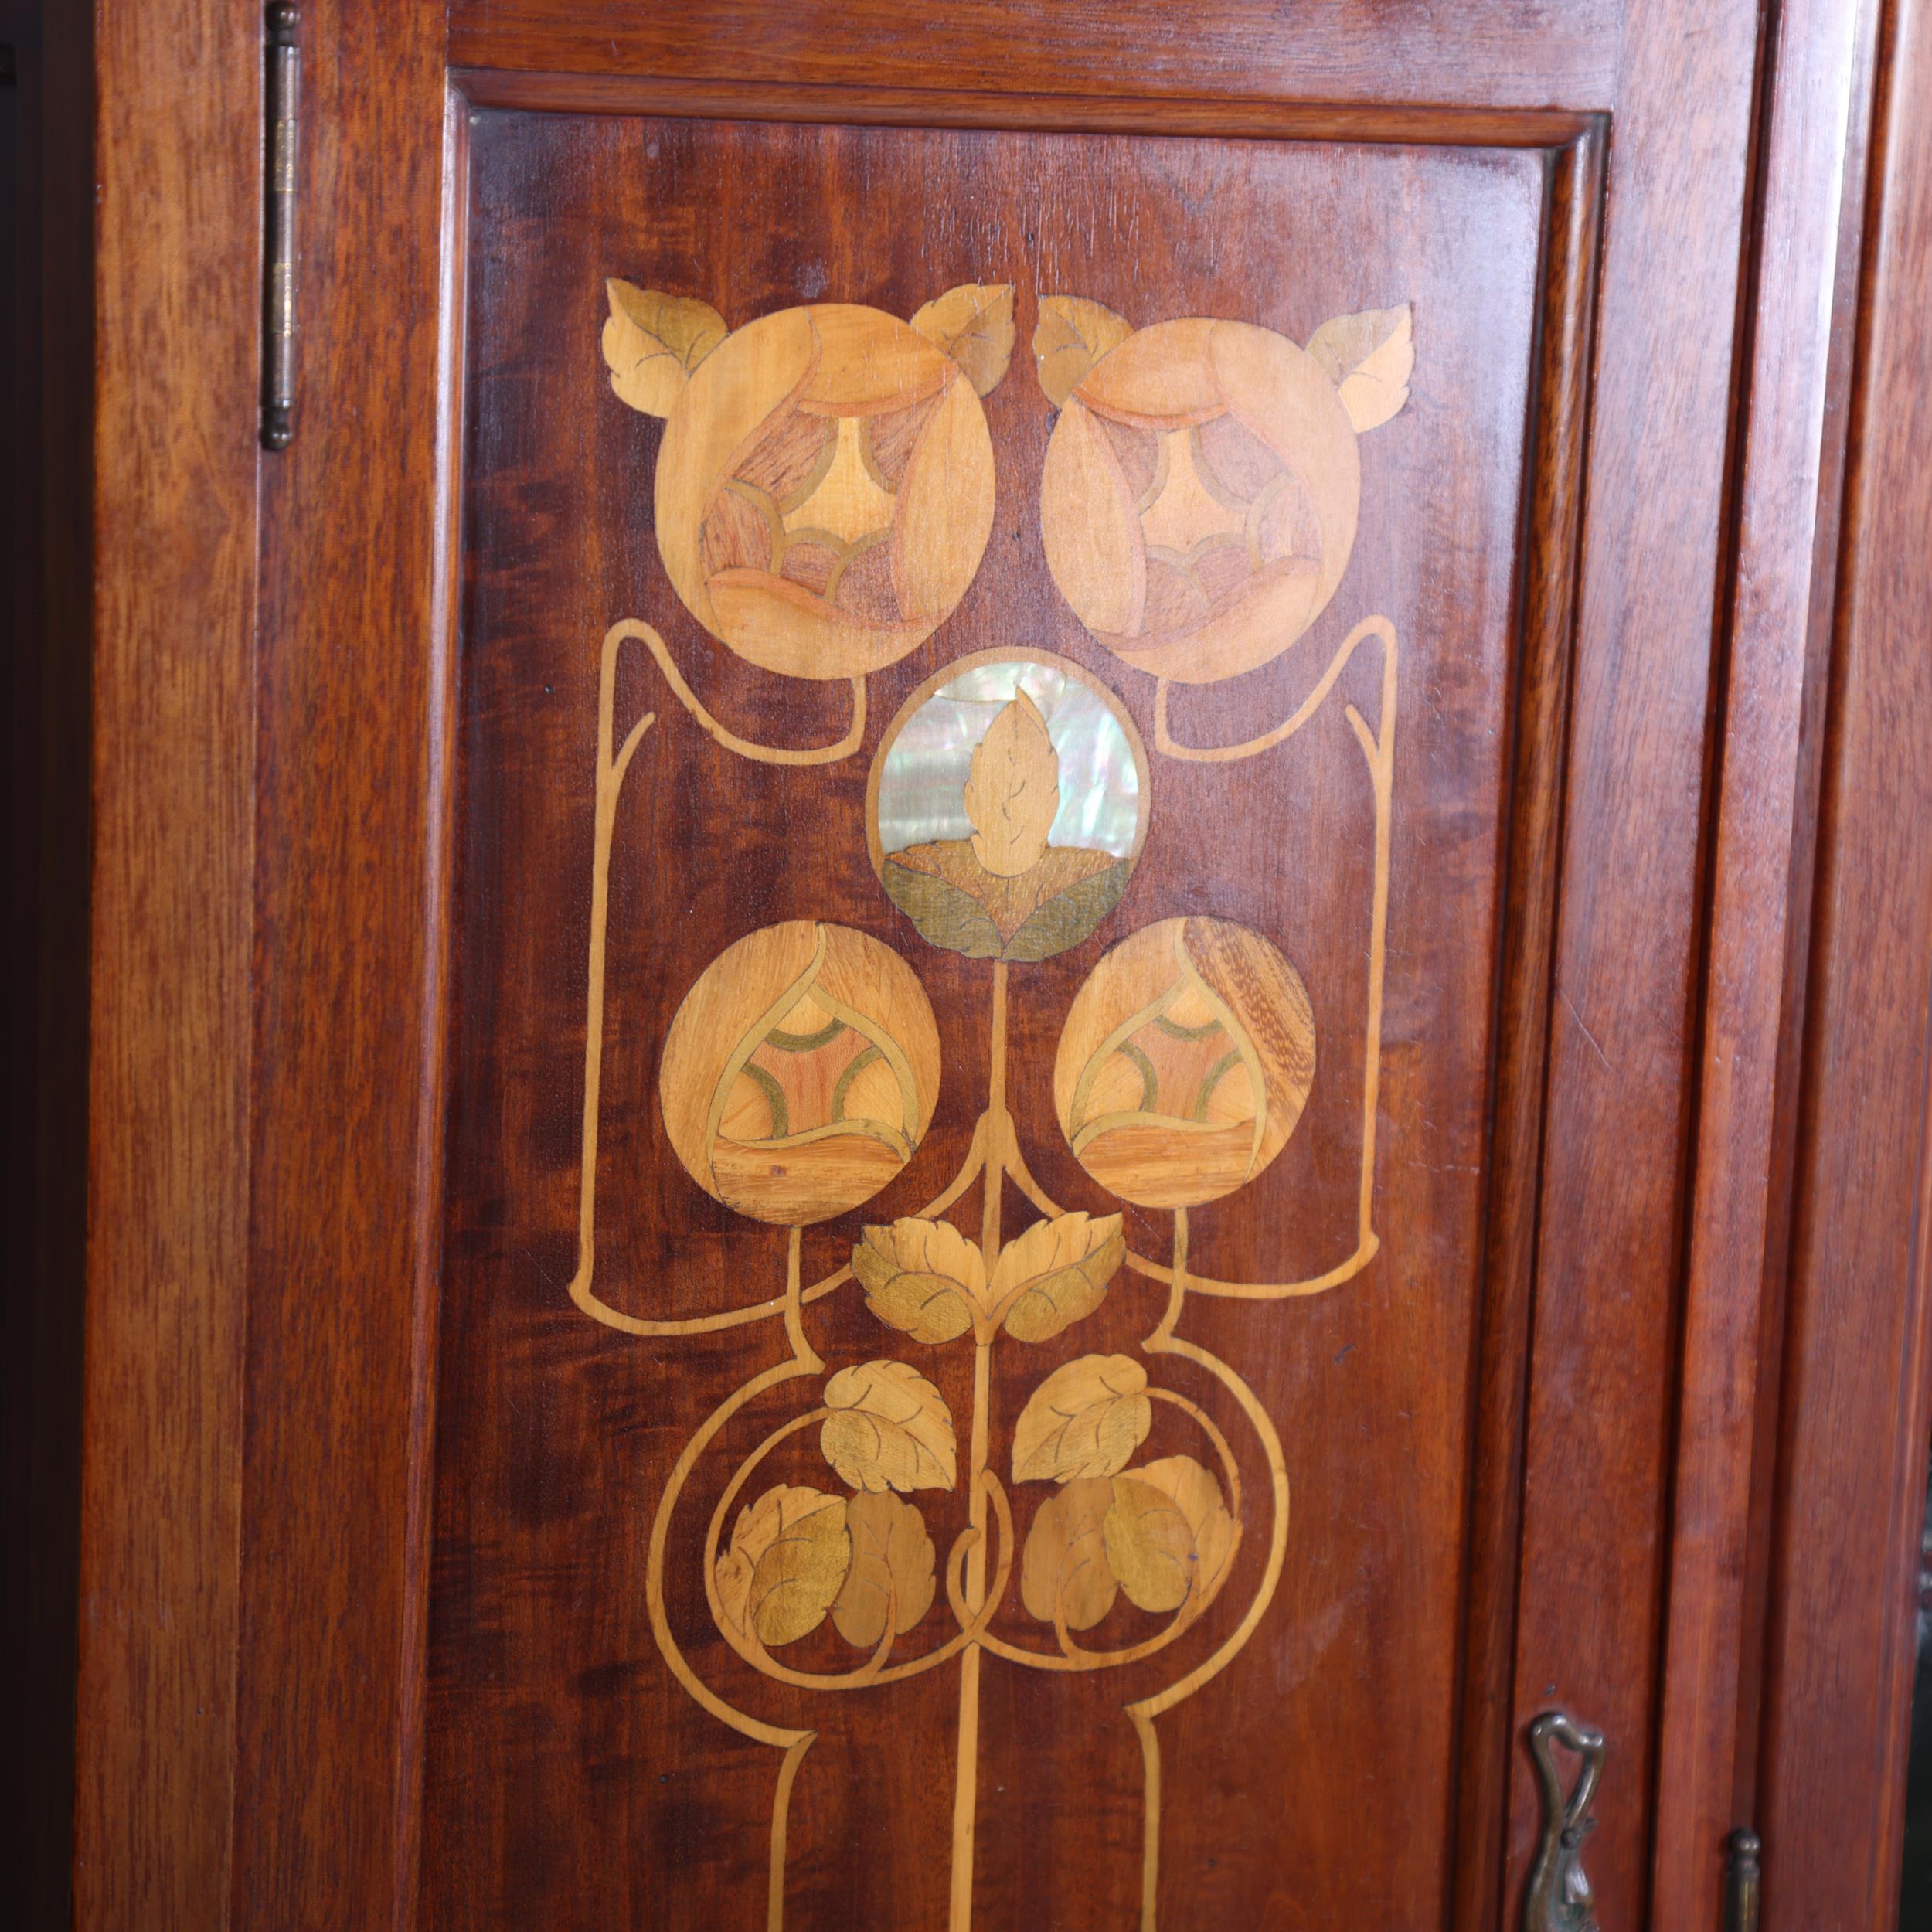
<point>801,1072</point>
<point>1185,1062</point>
<point>824,486</point>
<point>1202,486</point>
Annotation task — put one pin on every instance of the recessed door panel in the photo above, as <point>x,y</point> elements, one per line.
<point>988,684</point>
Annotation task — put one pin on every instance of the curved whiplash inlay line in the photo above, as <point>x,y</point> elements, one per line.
<point>613,765</point>
<point>1378,751</point>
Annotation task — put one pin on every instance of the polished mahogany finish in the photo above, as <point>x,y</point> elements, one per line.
<point>1852,1452</point>
<point>1615,1421</point>
<point>543,1665</point>
<point>173,906</point>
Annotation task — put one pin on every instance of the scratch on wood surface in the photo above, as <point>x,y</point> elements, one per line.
<point>1595,1045</point>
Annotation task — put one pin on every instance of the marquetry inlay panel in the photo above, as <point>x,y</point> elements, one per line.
<point>974,1022</point>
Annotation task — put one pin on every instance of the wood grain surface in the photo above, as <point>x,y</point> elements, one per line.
<point>1497,53</point>
<point>568,1771</point>
<point>348,1121</point>
<point>858,99</point>
<point>1604,1349</point>
<point>1857,1408</point>
<point>1792,400</point>
<point>1501,1395</point>
<point>373,1621</point>
<point>174,464</point>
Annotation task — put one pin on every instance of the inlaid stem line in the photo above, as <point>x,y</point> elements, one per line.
<point>1163,741</point>
<point>1379,748</point>
<point>805,1363</point>
<point>743,747</point>
<point>998,1130</point>
<point>1164,1341</point>
<point>1150,1816</point>
<point>781,1821</point>
<point>1378,751</point>
<point>612,767</point>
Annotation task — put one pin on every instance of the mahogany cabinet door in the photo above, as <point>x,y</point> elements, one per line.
<point>979,787</point>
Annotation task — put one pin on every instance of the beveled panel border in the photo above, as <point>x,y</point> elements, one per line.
<point>1486,52</point>
<point>1421,124</point>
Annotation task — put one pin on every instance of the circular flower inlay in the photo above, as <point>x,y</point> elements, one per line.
<point>1199,499</point>
<point>1185,1062</point>
<point>1008,805</point>
<point>825,490</point>
<point>801,1072</point>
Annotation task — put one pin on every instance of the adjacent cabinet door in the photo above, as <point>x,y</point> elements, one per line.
<point>1001,1168</point>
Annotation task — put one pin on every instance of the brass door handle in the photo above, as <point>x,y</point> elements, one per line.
<point>1559,1898</point>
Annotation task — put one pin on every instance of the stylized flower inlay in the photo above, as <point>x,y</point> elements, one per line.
<point>800,1073</point>
<point>1202,485</point>
<point>1185,1062</point>
<point>824,487</point>
<point>1007,806</point>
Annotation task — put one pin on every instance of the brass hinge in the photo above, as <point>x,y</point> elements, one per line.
<point>283,80</point>
<point>1742,1882</point>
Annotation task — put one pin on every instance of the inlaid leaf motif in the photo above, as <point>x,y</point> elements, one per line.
<point>1056,1273</point>
<point>1067,917</point>
<point>958,903</point>
<point>653,342</point>
<point>892,1565</point>
<point>1065,1564</point>
<point>789,1554</point>
<point>890,1429</point>
<point>1013,790</point>
<point>1071,335</point>
<point>1086,1419</point>
<point>944,913</point>
<point>1150,1546</point>
<point>974,324</point>
<point>922,1276</point>
<point>1369,358</point>
<point>1167,1530</point>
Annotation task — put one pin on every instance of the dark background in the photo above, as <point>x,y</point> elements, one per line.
<point>46,371</point>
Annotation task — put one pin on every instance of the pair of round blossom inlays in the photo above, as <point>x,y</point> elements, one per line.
<point>824,489</point>
<point>803,1070</point>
